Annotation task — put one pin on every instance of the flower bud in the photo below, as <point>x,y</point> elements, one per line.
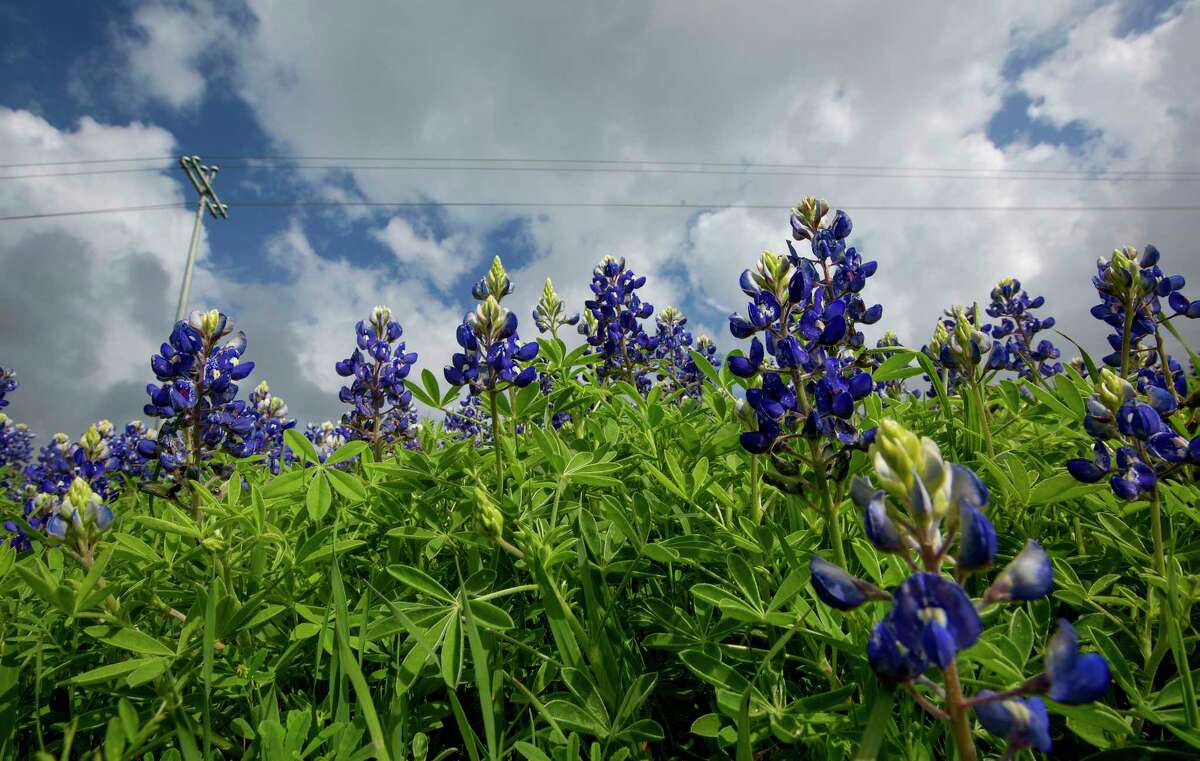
<point>496,281</point>
<point>489,517</point>
<point>1114,391</point>
<point>380,317</point>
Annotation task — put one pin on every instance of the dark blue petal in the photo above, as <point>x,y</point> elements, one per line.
<point>834,586</point>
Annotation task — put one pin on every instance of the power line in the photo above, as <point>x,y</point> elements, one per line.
<point>301,203</point>
<point>1099,177</point>
<point>628,162</point>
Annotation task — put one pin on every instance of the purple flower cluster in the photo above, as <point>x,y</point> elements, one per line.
<point>672,344</point>
<point>1148,447</point>
<point>931,513</point>
<point>270,421</point>
<point>8,384</point>
<point>125,451</point>
<point>492,357</point>
<point>16,443</point>
<point>16,440</point>
<point>962,349</point>
<point>328,438</point>
<point>60,463</point>
<point>1131,288</point>
<point>470,422</point>
<point>1138,419</point>
<point>614,330</point>
<point>1029,357</point>
<point>382,411</point>
<point>691,376</point>
<point>199,369</point>
<point>808,310</point>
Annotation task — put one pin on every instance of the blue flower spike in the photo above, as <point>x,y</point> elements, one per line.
<point>381,407</point>
<point>802,319</point>
<point>199,368</point>
<point>925,508</point>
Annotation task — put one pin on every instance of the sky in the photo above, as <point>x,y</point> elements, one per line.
<point>902,105</point>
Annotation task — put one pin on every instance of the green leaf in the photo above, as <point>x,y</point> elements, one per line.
<point>348,485</point>
<point>349,664</point>
<point>452,653</point>
<point>318,497</point>
<point>129,639</point>
<point>285,483</point>
<point>347,451</point>
<point>706,368</point>
<point>301,446</point>
<point>490,616</point>
<point>420,581</point>
<point>112,671</point>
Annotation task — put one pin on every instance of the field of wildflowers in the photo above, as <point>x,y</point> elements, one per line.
<point>630,547</point>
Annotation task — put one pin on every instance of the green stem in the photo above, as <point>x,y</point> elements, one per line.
<point>877,722</point>
<point>1191,354</point>
<point>984,422</point>
<point>1126,336</point>
<point>756,508</point>
<point>960,722</point>
<point>832,520</point>
<point>1160,562</point>
<point>496,433</point>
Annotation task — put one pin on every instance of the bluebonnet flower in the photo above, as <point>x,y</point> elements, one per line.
<point>893,388</point>
<point>1074,677</point>
<point>672,346</point>
<point>328,438</point>
<point>270,421</point>
<point>962,350</point>
<point>16,440</point>
<point>550,313</point>
<point>1148,447</point>
<point>199,368</point>
<point>691,376</point>
<point>470,422</point>
<point>671,343</point>
<point>382,411</point>
<point>615,330</point>
<point>16,443</point>
<point>1024,354</point>
<point>78,519</point>
<point>492,358</point>
<point>1131,288</point>
<point>61,461</point>
<point>804,315</point>
<point>124,451</point>
<point>839,589</point>
<point>924,509</point>
<point>1023,722</point>
<point>8,384</point>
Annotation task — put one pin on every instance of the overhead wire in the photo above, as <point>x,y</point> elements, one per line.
<point>737,165</point>
<point>317,204</point>
<point>816,172</point>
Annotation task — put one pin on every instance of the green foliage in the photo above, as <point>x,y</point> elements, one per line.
<point>625,603</point>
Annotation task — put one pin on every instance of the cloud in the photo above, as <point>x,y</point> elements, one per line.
<point>85,301</point>
<point>423,256</point>
<point>710,83</point>
<point>664,81</point>
<point>166,46</point>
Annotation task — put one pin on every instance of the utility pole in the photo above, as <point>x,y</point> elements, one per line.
<point>201,177</point>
